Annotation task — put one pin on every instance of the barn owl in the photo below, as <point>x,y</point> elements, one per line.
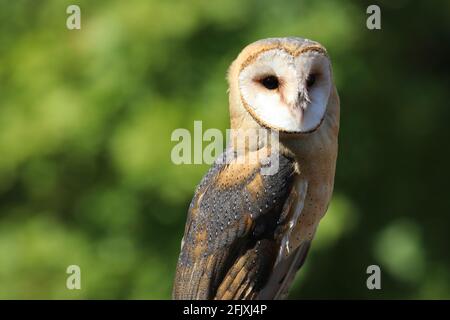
<point>247,233</point>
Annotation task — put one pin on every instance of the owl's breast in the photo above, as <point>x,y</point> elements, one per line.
<point>310,196</point>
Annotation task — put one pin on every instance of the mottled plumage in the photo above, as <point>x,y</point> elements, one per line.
<point>232,215</point>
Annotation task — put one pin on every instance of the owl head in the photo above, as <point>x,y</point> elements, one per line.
<point>282,84</point>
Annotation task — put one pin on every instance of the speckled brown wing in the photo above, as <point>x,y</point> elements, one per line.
<point>229,246</point>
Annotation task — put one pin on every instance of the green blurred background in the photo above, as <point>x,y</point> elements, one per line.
<point>86,118</point>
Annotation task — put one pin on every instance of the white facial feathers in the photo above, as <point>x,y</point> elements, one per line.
<point>285,92</point>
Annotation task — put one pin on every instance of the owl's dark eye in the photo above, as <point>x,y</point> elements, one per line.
<point>270,82</point>
<point>310,80</point>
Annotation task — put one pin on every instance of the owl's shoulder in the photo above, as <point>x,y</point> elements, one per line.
<point>239,197</point>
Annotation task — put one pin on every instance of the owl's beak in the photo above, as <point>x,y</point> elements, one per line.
<point>301,105</point>
<point>303,98</point>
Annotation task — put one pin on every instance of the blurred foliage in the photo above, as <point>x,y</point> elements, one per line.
<point>86,118</point>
